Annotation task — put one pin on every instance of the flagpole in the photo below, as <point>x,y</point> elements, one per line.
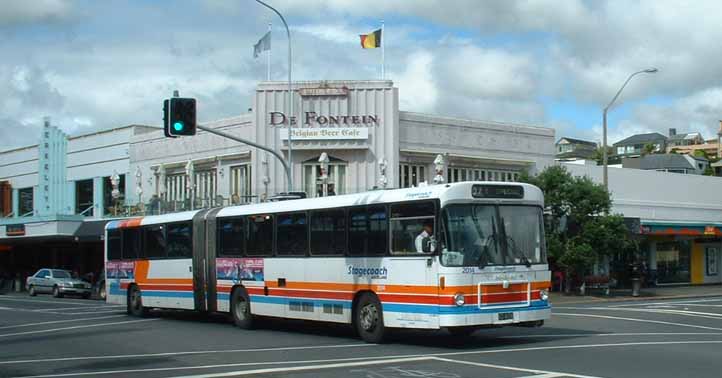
<point>383,52</point>
<point>268,65</point>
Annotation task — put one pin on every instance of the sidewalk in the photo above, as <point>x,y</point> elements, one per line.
<point>659,292</point>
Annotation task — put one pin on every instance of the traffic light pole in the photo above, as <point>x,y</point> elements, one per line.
<point>286,167</point>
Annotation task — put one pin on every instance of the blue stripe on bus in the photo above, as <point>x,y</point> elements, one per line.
<point>168,294</point>
<point>408,308</point>
<point>286,300</point>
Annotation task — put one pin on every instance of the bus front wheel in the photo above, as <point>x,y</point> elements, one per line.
<point>135,302</point>
<point>369,319</point>
<point>241,308</point>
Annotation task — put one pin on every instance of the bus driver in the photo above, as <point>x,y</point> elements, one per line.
<point>425,237</point>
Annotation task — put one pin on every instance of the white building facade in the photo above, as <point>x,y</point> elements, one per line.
<point>348,136</point>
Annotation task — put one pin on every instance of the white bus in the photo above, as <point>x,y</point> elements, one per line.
<point>459,256</point>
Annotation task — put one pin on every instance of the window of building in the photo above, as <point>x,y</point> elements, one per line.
<point>206,187</point>
<point>410,175</point>
<point>84,197</point>
<point>154,241</point>
<point>240,184</point>
<point>673,261</point>
<point>175,187</point>
<point>259,240</point>
<point>131,243</point>
<point>6,202</point>
<point>620,150</point>
<point>292,234</point>
<point>412,227</point>
<point>108,200</point>
<point>114,244</point>
<point>328,232</point>
<point>316,185</point>
<point>180,240</point>
<point>25,201</point>
<point>231,237</point>
<point>368,231</point>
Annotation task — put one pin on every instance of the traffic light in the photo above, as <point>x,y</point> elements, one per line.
<point>179,116</point>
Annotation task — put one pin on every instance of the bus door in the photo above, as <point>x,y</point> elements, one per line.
<point>211,252</point>
<point>199,260</point>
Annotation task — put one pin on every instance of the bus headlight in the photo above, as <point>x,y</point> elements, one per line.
<point>459,299</point>
<point>544,294</point>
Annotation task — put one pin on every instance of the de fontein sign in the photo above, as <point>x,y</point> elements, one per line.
<point>312,118</point>
<point>326,133</point>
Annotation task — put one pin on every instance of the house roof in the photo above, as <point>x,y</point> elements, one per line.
<point>669,161</point>
<point>576,141</point>
<point>683,136</point>
<point>641,139</point>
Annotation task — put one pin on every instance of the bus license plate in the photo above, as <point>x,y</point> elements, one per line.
<point>506,316</point>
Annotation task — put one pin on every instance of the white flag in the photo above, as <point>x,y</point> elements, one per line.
<point>264,44</point>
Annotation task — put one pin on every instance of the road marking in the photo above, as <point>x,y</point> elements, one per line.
<point>61,321</point>
<point>76,327</point>
<point>695,314</point>
<point>77,308</point>
<point>545,374</point>
<point>385,358</point>
<point>637,320</point>
<point>668,302</point>
<point>46,302</point>
<point>563,335</point>
<point>117,310</point>
<point>166,354</point>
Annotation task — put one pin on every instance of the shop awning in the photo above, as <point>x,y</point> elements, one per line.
<point>91,230</point>
<point>681,228</point>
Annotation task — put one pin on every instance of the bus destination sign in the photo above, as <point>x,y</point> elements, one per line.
<point>497,191</point>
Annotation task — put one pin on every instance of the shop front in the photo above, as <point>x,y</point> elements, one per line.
<point>683,252</point>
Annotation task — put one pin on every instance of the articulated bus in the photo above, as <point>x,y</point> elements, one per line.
<point>459,256</point>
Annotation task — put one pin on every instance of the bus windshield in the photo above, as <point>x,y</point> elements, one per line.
<point>482,235</point>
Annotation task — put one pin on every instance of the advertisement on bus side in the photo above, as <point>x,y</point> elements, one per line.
<point>236,270</point>
<point>120,269</point>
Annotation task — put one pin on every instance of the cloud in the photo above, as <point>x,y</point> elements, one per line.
<point>15,12</point>
<point>417,90</point>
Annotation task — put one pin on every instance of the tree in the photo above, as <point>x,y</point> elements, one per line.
<point>649,149</point>
<point>599,154</point>
<point>580,231</point>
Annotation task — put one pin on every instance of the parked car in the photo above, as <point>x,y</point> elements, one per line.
<point>57,282</point>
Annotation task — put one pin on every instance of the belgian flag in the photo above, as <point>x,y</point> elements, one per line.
<point>372,40</point>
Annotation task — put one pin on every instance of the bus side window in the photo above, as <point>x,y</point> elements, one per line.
<point>131,238</point>
<point>413,227</point>
<point>259,239</point>
<point>114,244</point>
<point>292,234</point>
<point>328,232</point>
<point>154,241</point>
<point>180,240</point>
<point>230,237</point>
<point>368,228</point>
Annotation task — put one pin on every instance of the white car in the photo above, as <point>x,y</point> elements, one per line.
<point>57,282</point>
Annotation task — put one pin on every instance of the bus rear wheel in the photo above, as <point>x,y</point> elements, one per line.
<point>135,302</point>
<point>369,319</point>
<point>241,308</point>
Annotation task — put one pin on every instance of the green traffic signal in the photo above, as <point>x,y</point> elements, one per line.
<point>178,126</point>
<point>179,116</point>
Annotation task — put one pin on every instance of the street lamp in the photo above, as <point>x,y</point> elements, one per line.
<point>604,127</point>
<point>290,97</point>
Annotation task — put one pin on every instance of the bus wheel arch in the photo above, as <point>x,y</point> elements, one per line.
<point>240,308</point>
<point>134,302</point>
<point>368,318</point>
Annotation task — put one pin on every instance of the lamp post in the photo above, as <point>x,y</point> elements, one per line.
<point>290,96</point>
<point>604,127</point>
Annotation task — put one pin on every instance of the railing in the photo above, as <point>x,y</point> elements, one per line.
<point>159,206</point>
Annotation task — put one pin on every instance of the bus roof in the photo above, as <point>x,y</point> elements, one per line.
<point>443,192</point>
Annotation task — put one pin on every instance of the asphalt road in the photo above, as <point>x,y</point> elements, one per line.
<point>47,337</point>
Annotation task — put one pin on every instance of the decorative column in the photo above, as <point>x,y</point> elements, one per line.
<point>139,184</point>
<point>439,166</point>
<point>323,160</point>
<point>383,180</point>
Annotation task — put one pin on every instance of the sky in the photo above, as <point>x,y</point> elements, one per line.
<point>92,65</point>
